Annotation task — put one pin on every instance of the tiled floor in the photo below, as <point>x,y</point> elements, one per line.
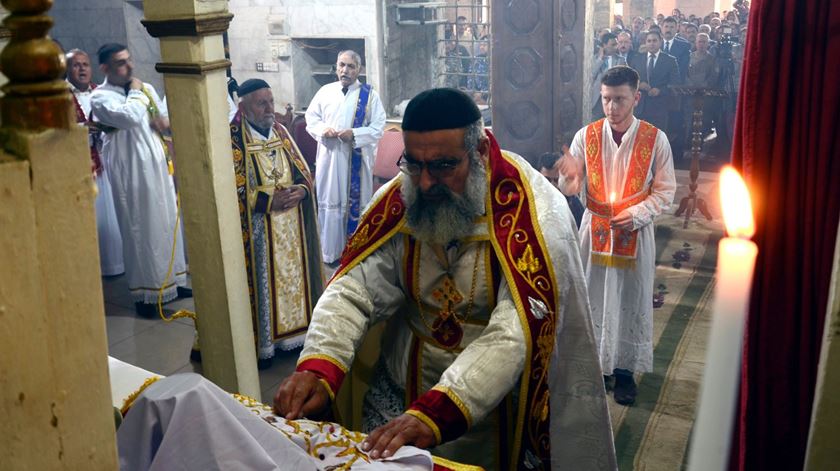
<point>164,347</point>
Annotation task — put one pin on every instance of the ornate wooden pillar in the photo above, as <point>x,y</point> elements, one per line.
<point>537,76</point>
<point>194,64</point>
<point>56,399</point>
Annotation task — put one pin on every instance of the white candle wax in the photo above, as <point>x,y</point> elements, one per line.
<point>710,441</point>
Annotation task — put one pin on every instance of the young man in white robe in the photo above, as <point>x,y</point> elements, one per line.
<point>79,75</point>
<point>135,119</point>
<point>347,119</point>
<point>623,170</point>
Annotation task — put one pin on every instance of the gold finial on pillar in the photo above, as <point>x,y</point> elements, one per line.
<point>36,96</point>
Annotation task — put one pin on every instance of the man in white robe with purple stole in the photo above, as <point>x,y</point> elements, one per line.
<point>141,180</point>
<point>623,170</point>
<point>279,229</point>
<point>471,258</point>
<point>347,119</point>
<point>79,75</point>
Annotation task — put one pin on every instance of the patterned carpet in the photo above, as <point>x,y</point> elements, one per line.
<point>653,434</point>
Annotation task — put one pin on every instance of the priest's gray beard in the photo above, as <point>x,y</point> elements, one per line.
<point>451,218</point>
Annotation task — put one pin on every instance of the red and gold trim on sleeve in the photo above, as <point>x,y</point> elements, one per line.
<point>378,224</point>
<point>615,247</point>
<point>444,412</point>
<point>327,368</point>
<point>524,259</point>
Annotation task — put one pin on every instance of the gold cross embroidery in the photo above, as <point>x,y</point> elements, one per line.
<point>448,296</point>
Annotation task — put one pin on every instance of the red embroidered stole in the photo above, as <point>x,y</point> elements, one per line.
<point>95,159</point>
<point>615,247</point>
<point>521,251</point>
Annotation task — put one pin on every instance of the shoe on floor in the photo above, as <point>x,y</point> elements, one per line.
<point>624,390</point>
<point>609,382</point>
<point>149,311</point>
<point>264,363</point>
<point>184,292</point>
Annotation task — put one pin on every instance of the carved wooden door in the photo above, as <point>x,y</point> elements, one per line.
<point>537,73</point>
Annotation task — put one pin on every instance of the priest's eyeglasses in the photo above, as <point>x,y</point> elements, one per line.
<point>439,168</point>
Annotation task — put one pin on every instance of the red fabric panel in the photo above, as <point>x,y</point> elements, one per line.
<point>786,138</point>
<point>445,414</point>
<point>324,369</point>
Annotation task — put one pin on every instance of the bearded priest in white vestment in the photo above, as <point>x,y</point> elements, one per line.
<point>623,169</point>
<point>347,119</point>
<point>279,229</point>
<point>471,257</point>
<point>141,179</point>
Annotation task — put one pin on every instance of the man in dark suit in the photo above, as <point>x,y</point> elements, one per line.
<point>658,72</point>
<point>625,47</point>
<point>675,46</point>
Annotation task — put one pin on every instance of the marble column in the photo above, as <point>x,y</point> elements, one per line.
<point>55,397</point>
<point>190,33</point>
<point>823,447</point>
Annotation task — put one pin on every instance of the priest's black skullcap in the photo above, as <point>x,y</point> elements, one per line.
<point>251,85</point>
<point>440,108</point>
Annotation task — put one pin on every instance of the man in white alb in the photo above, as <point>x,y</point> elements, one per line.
<point>141,179</point>
<point>623,170</point>
<point>347,119</point>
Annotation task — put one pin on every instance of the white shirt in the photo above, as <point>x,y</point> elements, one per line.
<point>83,97</point>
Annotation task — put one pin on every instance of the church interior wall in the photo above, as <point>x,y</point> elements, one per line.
<point>410,52</point>
<point>278,34</point>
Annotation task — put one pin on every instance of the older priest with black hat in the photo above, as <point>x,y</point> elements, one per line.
<point>472,259</point>
<point>279,225</point>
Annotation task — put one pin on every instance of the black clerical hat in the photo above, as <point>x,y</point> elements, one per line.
<point>251,85</point>
<point>440,108</point>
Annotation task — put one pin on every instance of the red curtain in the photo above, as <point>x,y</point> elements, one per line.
<point>786,143</point>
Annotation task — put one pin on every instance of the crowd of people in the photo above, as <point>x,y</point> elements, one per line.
<point>680,51</point>
<point>466,59</point>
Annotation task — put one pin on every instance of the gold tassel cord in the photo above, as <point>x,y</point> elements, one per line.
<point>129,401</point>
<point>183,312</point>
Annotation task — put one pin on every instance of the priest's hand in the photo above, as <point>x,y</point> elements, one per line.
<point>572,170</point>
<point>301,395</point>
<point>135,84</point>
<point>406,429</point>
<point>346,135</point>
<point>623,221</point>
<point>653,92</point>
<point>160,124</point>
<point>644,86</point>
<point>287,198</point>
<point>330,132</point>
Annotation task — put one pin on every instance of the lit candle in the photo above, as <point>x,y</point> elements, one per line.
<point>712,433</point>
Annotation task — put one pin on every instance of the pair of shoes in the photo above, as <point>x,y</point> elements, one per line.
<point>609,382</point>
<point>624,390</point>
<point>195,355</point>
<point>264,363</point>
<point>184,292</point>
<point>149,311</point>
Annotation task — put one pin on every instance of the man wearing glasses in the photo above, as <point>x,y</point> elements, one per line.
<point>471,257</point>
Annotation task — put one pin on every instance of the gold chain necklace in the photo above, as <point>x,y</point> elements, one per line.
<point>446,328</point>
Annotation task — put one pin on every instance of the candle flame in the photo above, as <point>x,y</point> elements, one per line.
<point>612,197</point>
<point>736,204</point>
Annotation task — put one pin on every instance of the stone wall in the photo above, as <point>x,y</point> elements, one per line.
<point>276,34</point>
<point>410,52</point>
